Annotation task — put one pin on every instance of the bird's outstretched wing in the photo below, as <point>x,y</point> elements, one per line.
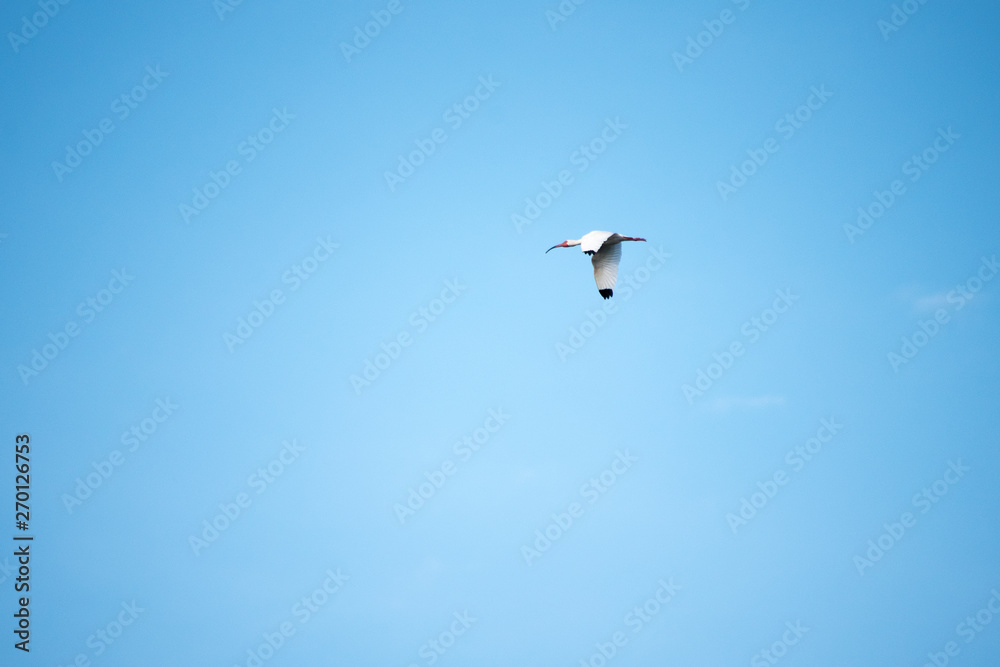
<point>605,263</point>
<point>592,241</point>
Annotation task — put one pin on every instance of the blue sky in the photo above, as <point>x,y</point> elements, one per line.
<point>775,443</point>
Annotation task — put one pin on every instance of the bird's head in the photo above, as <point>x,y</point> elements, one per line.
<point>564,244</point>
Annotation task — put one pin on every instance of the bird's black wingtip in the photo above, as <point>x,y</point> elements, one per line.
<point>606,293</point>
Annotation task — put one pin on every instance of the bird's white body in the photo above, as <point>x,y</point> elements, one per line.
<point>605,251</point>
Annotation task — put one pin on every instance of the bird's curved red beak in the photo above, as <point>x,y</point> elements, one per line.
<point>560,245</point>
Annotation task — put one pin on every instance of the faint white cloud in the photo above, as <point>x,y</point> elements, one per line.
<point>730,403</point>
<point>947,299</point>
<point>524,475</point>
<point>931,302</point>
<point>921,301</point>
<point>428,570</point>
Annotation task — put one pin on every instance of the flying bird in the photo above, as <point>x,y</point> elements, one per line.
<point>605,250</point>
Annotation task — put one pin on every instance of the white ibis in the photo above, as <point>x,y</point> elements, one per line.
<point>605,250</point>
